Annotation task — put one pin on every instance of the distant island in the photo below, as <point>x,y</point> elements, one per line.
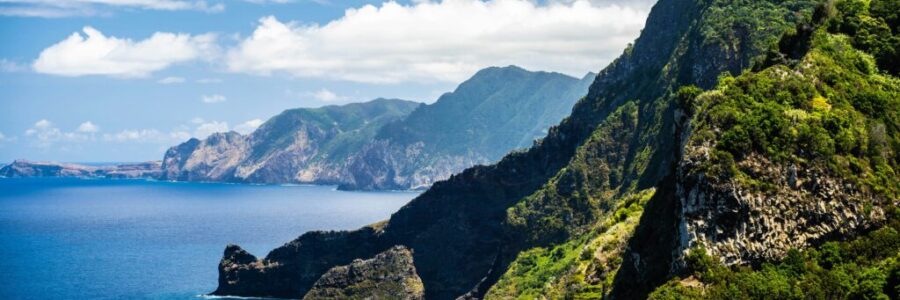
<point>25,168</point>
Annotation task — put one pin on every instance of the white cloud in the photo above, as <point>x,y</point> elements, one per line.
<point>215,98</point>
<point>197,120</point>
<point>68,8</point>
<point>88,127</point>
<point>180,136</point>
<point>44,134</point>
<point>209,80</point>
<point>9,66</point>
<point>248,127</point>
<point>442,41</point>
<point>97,54</point>
<point>4,138</point>
<point>171,80</point>
<point>272,1</point>
<point>205,129</point>
<point>325,96</point>
<point>43,124</point>
<point>147,136</point>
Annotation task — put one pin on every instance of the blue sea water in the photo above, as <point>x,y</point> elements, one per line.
<point>65,238</point>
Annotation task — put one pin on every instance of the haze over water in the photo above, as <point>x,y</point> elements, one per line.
<point>112,239</point>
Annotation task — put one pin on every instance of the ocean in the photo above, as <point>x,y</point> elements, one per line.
<point>68,238</point>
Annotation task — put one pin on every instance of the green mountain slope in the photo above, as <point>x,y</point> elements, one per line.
<point>487,109</point>
<point>611,202</point>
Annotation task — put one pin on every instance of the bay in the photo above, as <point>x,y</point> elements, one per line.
<point>68,238</point>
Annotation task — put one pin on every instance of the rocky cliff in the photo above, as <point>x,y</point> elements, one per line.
<point>389,275</point>
<point>296,146</point>
<point>24,168</point>
<point>790,148</point>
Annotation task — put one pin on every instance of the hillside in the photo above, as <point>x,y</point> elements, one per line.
<point>652,179</point>
<point>294,146</point>
<point>386,144</point>
<point>488,115</point>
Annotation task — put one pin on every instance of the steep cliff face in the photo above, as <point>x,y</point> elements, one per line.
<point>793,155</point>
<point>212,159</point>
<point>389,275</point>
<point>24,168</point>
<point>469,211</point>
<point>527,225</point>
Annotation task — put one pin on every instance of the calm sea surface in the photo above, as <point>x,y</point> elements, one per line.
<point>133,239</point>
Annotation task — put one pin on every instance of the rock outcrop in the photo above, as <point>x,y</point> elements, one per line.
<point>741,225</point>
<point>211,159</point>
<point>388,275</point>
<point>24,168</point>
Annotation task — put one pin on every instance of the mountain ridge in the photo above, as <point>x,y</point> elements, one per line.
<point>600,203</point>
<point>386,149</point>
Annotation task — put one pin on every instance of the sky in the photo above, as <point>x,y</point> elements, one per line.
<point>124,80</point>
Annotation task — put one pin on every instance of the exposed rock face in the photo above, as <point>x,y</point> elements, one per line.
<point>212,159</point>
<point>741,225</point>
<point>388,275</point>
<point>296,146</point>
<point>291,270</point>
<point>24,168</point>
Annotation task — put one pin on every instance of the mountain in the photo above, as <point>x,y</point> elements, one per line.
<point>739,149</point>
<point>24,168</point>
<point>492,113</point>
<point>298,145</point>
<point>387,144</point>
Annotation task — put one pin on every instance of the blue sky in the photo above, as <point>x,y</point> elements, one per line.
<point>123,80</point>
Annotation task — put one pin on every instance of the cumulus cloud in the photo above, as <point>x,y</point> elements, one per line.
<point>142,136</point>
<point>44,134</point>
<point>69,8</point>
<point>209,80</point>
<point>88,127</point>
<point>275,1</point>
<point>9,66</point>
<point>5,139</point>
<point>171,80</point>
<point>205,129</point>
<point>441,41</point>
<point>248,127</point>
<point>214,98</point>
<point>325,96</point>
<point>96,54</point>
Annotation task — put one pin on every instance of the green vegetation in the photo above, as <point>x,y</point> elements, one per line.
<point>836,106</point>
<point>582,268</point>
<point>342,128</point>
<point>495,111</point>
<point>569,199</point>
<point>832,108</point>
<point>865,268</point>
